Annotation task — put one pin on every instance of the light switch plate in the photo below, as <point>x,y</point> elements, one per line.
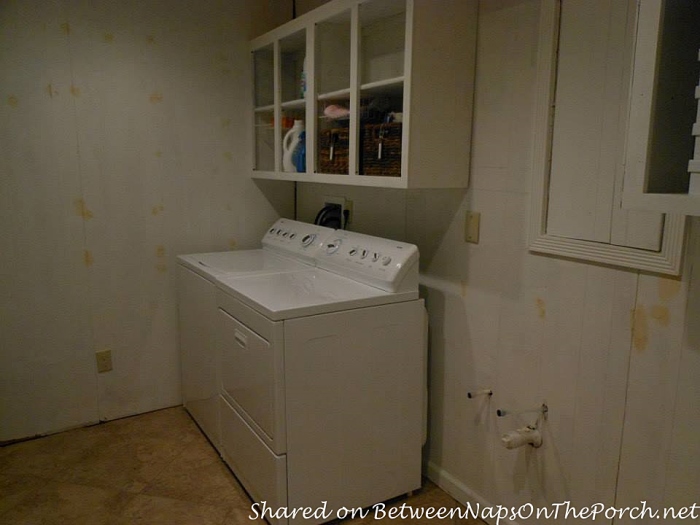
<point>472,221</point>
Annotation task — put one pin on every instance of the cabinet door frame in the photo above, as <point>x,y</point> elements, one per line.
<point>667,260</point>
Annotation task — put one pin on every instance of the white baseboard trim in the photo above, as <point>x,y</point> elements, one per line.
<point>460,491</point>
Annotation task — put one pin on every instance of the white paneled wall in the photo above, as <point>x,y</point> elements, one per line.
<point>124,143</point>
<point>612,352</point>
<point>47,376</point>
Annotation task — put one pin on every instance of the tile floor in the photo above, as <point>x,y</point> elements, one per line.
<point>155,468</point>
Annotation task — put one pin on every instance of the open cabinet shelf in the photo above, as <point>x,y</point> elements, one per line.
<point>375,88</point>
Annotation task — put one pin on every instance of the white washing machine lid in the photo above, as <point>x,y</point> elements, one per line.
<point>239,263</point>
<point>287,246</point>
<point>315,291</point>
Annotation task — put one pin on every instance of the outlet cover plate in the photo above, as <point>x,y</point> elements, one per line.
<point>472,221</point>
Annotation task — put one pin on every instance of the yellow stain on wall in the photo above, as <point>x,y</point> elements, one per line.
<point>50,90</point>
<point>232,244</point>
<point>150,39</point>
<point>463,287</point>
<point>660,314</point>
<point>640,328</point>
<point>74,90</point>
<point>228,155</point>
<point>157,209</point>
<point>225,122</point>
<point>159,153</point>
<point>87,258</point>
<point>109,38</point>
<point>668,288</point>
<point>65,27</point>
<point>12,101</point>
<point>161,267</point>
<point>81,209</point>
<point>541,308</point>
<point>156,97</point>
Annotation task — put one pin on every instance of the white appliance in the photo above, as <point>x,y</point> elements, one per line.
<point>286,246</point>
<point>323,376</point>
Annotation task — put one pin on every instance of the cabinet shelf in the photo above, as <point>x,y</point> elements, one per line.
<point>294,104</point>
<point>341,94</point>
<point>390,85</point>
<point>332,178</point>
<point>265,109</point>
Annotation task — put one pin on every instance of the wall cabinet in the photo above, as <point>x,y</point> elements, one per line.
<point>384,89</point>
<point>663,154</point>
<point>585,69</point>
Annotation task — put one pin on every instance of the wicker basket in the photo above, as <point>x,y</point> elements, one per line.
<point>333,151</point>
<point>380,153</point>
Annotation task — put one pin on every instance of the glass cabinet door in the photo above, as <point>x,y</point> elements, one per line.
<point>381,75</point>
<point>332,56</point>
<point>264,100</point>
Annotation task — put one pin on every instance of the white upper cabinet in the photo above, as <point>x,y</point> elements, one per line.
<point>585,69</point>
<point>383,89</point>
<point>663,148</point>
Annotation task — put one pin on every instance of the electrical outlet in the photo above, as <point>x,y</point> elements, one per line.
<point>104,361</point>
<point>472,222</point>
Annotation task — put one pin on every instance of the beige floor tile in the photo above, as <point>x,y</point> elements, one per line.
<point>151,469</point>
<point>14,487</point>
<point>240,516</point>
<point>127,466</point>
<point>155,510</point>
<point>211,483</point>
<point>46,457</point>
<point>62,503</point>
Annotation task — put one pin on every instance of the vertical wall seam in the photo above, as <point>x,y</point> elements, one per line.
<point>626,399</point>
<point>81,189</point>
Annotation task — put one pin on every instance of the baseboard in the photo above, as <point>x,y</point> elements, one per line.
<point>459,491</point>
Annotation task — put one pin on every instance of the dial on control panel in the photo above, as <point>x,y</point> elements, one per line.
<point>307,240</point>
<point>333,246</point>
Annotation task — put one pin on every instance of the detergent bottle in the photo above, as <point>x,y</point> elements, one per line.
<point>289,144</point>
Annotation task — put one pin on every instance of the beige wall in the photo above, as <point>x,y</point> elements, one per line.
<point>124,143</point>
<point>536,328</point>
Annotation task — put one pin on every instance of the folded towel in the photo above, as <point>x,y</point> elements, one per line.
<point>336,111</point>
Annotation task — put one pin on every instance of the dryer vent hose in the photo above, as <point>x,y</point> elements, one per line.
<point>332,216</point>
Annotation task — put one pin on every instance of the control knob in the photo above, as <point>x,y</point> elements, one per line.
<point>308,239</point>
<point>333,246</point>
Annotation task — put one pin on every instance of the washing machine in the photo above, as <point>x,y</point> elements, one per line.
<point>287,246</point>
<point>323,378</point>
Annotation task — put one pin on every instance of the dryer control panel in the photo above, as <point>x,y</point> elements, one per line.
<point>382,263</point>
<point>298,239</point>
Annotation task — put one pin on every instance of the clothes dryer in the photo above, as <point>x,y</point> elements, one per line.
<point>323,378</point>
